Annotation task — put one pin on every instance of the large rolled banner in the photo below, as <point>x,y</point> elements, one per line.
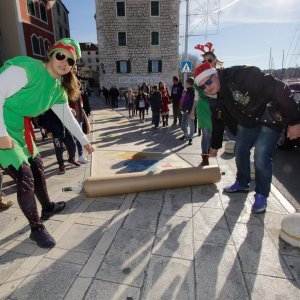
<point>145,181</point>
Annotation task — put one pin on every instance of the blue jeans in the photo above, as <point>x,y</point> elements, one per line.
<point>186,121</point>
<point>264,140</point>
<point>206,140</point>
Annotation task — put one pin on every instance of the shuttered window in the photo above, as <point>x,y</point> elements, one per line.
<point>154,38</point>
<point>123,66</point>
<point>154,8</point>
<point>154,66</point>
<point>122,38</point>
<point>121,9</point>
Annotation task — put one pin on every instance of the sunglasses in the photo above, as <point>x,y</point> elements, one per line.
<point>209,60</point>
<point>60,56</point>
<point>207,83</point>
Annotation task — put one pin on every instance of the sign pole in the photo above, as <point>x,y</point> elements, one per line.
<point>186,39</point>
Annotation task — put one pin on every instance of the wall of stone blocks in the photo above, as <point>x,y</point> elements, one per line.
<point>138,25</point>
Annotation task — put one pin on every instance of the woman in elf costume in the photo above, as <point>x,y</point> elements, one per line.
<point>29,87</point>
<point>205,109</point>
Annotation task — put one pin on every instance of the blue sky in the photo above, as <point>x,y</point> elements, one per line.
<point>242,31</point>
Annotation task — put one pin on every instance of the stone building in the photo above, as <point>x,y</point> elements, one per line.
<point>88,65</point>
<point>26,28</point>
<point>60,19</point>
<point>137,41</point>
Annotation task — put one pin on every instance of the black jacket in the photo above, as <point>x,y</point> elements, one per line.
<point>249,97</point>
<point>176,92</point>
<point>155,101</point>
<point>188,100</point>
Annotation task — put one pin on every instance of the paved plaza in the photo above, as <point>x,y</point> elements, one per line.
<point>186,243</point>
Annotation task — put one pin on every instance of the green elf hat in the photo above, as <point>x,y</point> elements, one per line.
<point>67,44</point>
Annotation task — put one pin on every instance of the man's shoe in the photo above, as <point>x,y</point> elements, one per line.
<point>236,188</point>
<point>260,204</point>
<point>42,237</point>
<point>182,138</point>
<point>83,160</point>
<point>57,207</point>
<point>5,204</point>
<point>190,142</point>
<point>74,163</point>
<point>62,169</point>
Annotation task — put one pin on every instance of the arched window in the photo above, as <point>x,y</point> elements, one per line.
<point>30,7</point>
<point>42,46</point>
<point>46,45</point>
<point>35,45</point>
<point>43,12</point>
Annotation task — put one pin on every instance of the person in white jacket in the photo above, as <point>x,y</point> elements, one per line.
<point>29,87</point>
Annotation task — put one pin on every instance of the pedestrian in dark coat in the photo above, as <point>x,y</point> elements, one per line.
<point>155,100</point>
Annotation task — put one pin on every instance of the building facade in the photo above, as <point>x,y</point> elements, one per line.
<point>88,65</point>
<point>60,19</point>
<point>138,41</point>
<point>26,28</point>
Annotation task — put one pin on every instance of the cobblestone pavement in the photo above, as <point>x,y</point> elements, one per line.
<point>185,243</point>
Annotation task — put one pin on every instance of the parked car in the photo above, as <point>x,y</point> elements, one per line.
<point>284,143</point>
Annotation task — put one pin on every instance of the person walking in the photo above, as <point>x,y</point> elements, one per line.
<point>141,100</point>
<point>155,100</point>
<point>106,95</point>
<point>113,95</point>
<point>257,106</point>
<point>29,87</point>
<point>176,93</point>
<point>78,112</point>
<point>130,98</point>
<point>165,103</point>
<point>187,108</point>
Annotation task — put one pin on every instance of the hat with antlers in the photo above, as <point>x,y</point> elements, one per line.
<point>208,49</point>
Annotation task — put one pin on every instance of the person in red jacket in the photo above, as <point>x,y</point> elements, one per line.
<point>165,103</point>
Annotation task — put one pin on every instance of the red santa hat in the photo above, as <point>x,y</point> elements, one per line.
<point>202,71</point>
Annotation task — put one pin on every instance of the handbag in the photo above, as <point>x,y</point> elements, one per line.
<point>86,126</point>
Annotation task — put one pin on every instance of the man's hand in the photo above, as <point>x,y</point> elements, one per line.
<point>6,142</point>
<point>89,148</point>
<point>293,131</point>
<point>213,152</point>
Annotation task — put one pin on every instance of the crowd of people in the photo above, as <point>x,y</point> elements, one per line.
<point>250,104</point>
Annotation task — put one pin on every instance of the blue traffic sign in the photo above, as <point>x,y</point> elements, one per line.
<point>186,66</point>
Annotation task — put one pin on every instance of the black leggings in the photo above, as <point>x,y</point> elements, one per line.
<point>31,180</point>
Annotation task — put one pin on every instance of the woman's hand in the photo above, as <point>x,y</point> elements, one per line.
<point>89,148</point>
<point>6,142</point>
